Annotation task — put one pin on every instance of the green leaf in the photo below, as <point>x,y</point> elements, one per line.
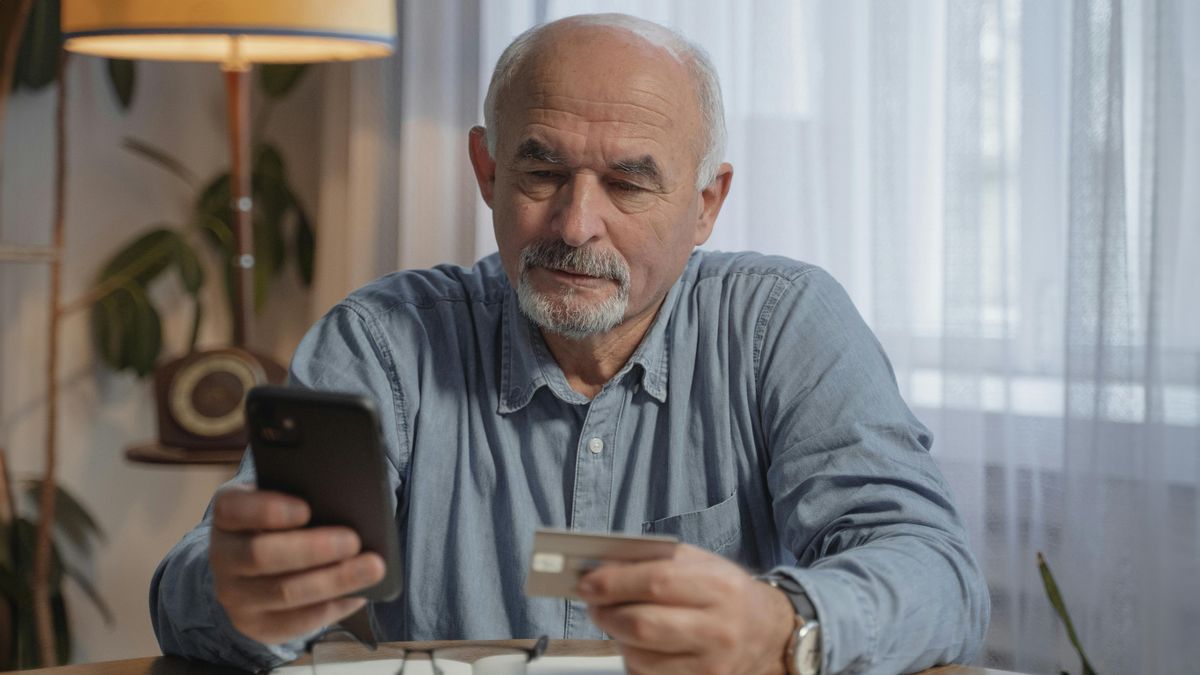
<point>41,47</point>
<point>268,164</point>
<point>161,158</point>
<point>7,554</point>
<point>273,201</point>
<point>213,201</point>
<point>28,655</point>
<point>277,79</point>
<point>187,264</point>
<point>12,584</point>
<point>214,217</point>
<point>27,540</point>
<point>71,518</point>
<point>63,643</point>
<point>191,276</point>
<point>268,257</point>
<point>106,326</point>
<point>122,74</point>
<point>269,244</point>
<point>272,198</point>
<point>127,330</point>
<point>305,244</point>
<point>126,325</point>
<point>1060,607</point>
<point>143,259</point>
<point>218,232</point>
<point>144,342</point>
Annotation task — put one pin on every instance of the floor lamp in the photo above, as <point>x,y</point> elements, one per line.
<point>235,34</point>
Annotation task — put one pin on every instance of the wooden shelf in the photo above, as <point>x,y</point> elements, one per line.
<point>153,453</point>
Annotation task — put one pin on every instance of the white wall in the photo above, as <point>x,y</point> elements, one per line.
<point>113,195</point>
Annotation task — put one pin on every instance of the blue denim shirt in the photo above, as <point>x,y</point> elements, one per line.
<point>759,418</point>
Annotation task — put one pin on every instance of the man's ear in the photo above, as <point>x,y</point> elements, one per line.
<point>711,198</point>
<point>482,162</point>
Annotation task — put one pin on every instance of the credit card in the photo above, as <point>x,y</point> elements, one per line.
<point>560,557</point>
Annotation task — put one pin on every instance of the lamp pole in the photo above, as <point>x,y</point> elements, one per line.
<point>237,94</point>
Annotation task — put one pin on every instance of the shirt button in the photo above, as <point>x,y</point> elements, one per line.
<point>596,445</point>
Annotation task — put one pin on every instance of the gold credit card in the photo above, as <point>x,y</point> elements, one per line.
<point>560,557</point>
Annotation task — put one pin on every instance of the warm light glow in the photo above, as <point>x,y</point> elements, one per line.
<point>291,31</point>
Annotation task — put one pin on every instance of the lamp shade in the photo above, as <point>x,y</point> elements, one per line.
<point>261,31</point>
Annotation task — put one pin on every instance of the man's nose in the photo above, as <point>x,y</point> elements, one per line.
<point>579,218</point>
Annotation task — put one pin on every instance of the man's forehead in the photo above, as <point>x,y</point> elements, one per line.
<point>602,96</point>
<point>604,66</point>
<point>620,109</point>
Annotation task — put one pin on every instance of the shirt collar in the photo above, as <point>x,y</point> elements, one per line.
<point>528,365</point>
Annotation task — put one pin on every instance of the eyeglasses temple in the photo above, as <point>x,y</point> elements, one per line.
<point>539,648</point>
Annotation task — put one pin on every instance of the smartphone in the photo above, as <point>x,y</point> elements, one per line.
<point>326,448</point>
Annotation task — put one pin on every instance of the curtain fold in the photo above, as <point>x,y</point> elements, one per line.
<point>1007,189</point>
<point>397,191</point>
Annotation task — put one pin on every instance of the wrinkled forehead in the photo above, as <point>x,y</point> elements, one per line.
<point>604,76</point>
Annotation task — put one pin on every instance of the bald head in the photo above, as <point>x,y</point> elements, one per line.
<point>654,40</point>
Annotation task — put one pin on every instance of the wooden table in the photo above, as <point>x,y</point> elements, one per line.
<point>170,665</point>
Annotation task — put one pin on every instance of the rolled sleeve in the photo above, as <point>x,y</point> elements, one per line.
<point>860,503</point>
<point>188,620</point>
<point>340,353</point>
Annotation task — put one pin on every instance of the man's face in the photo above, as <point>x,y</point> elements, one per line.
<point>593,183</point>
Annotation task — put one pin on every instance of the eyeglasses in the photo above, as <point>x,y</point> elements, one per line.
<point>339,652</point>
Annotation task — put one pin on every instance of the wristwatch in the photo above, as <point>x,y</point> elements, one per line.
<point>803,654</point>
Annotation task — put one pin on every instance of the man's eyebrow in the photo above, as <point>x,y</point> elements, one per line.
<point>643,166</point>
<point>536,150</point>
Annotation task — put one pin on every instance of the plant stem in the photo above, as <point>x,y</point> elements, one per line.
<point>14,15</point>
<point>43,616</point>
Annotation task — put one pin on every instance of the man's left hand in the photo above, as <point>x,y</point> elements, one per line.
<point>694,613</point>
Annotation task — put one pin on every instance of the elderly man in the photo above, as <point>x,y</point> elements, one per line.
<point>598,374</point>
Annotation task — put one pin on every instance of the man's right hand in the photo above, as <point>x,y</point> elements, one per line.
<point>275,580</point>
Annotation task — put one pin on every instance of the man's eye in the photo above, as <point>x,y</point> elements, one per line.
<point>544,175</point>
<point>622,186</point>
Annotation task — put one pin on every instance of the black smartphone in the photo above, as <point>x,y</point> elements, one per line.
<point>326,448</point>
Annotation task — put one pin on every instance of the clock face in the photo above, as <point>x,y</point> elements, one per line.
<point>206,396</point>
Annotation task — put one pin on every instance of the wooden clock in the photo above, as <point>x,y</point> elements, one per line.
<point>200,399</point>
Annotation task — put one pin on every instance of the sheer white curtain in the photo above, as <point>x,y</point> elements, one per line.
<point>1009,191</point>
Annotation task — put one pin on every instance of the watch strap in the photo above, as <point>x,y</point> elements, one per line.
<point>795,592</point>
<point>805,622</point>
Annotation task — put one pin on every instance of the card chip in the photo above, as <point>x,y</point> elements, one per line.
<point>550,563</point>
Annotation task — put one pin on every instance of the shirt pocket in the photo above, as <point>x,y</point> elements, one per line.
<point>716,528</point>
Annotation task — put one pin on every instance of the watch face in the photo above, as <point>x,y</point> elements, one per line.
<point>808,649</point>
<point>206,396</point>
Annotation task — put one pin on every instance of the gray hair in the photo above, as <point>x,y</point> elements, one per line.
<point>689,54</point>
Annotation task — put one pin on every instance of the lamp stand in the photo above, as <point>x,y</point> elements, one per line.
<point>237,92</point>
<point>179,440</point>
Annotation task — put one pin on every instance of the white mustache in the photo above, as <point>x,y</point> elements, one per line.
<point>557,255</point>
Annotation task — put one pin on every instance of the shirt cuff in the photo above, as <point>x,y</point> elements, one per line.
<point>848,627</point>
